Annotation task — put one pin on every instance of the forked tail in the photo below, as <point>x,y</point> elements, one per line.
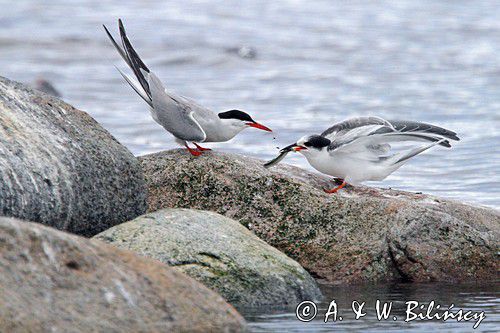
<point>400,158</point>
<point>141,71</point>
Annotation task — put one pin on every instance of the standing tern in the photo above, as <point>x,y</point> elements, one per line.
<point>186,120</point>
<point>358,149</point>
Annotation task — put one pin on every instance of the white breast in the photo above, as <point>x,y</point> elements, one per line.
<point>346,166</point>
<point>324,163</point>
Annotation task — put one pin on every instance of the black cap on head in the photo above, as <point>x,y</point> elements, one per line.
<point>236,114</point>
<point>317,141</point>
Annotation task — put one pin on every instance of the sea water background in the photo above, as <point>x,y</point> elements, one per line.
<point>317,62</point>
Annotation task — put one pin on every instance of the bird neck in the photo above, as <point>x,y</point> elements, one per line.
<point>225,131</point>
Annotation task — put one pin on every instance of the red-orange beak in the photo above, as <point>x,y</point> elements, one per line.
<point>259,126</point>
<point>299,148</point>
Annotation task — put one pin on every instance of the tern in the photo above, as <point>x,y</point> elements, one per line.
<point>359,149</point>
<point>185,119</point>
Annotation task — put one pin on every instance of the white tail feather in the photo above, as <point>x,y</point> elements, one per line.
<point>136,86</point>
<point>398,159</point>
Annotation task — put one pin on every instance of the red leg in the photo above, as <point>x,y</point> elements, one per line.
<point>200,148</point>
<point>336,189</point>
<point>192,151</point>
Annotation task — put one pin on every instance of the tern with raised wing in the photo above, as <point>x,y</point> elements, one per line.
<point>185,119</point>
<point>359,149</point>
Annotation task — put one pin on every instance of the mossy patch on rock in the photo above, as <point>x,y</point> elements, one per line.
<point>219,252</point>
<point>359,234</point>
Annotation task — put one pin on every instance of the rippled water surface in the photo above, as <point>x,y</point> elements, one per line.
<point>317,62</point>
<point>475,298</point>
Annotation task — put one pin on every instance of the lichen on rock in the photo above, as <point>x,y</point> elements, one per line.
<point>220,253</point>
<point>360,234</point>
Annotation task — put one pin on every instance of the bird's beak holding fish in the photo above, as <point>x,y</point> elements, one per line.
<point>293,147</point>
<point>283,152</point>
<point>299,148</point>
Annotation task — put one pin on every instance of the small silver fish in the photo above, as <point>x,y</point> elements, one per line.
<point>277,159</point>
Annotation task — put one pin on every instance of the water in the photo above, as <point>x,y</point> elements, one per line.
<point>476,298</point>
<point>434,61</point>
<point>316,63</point>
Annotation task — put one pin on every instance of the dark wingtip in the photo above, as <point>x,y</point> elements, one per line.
<point>446,144</point>
<point>451,135</point>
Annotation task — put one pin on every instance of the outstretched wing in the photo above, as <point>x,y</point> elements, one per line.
<point>369,138</point>
<point>349,130</point>
<point>352,129</point>
<point>352,123</point>
<point>416,127</point>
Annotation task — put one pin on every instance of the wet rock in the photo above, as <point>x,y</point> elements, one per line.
<point>52,281</point>
<point>59,167</point>
<point>360,234</point>
<point>220,253</point>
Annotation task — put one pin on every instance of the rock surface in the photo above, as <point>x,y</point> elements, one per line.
<point>59,167</point>
<point>359,234</point>
<point>220,253</point>
<point>51,281</point>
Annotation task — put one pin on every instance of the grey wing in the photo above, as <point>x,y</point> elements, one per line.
<point>198,109</point>
<point>351,129</point>
<point>174,113</point>
<point>418,127</point>
<point>351,123</point>
<point>414,130</point>
<point>370,138</point>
